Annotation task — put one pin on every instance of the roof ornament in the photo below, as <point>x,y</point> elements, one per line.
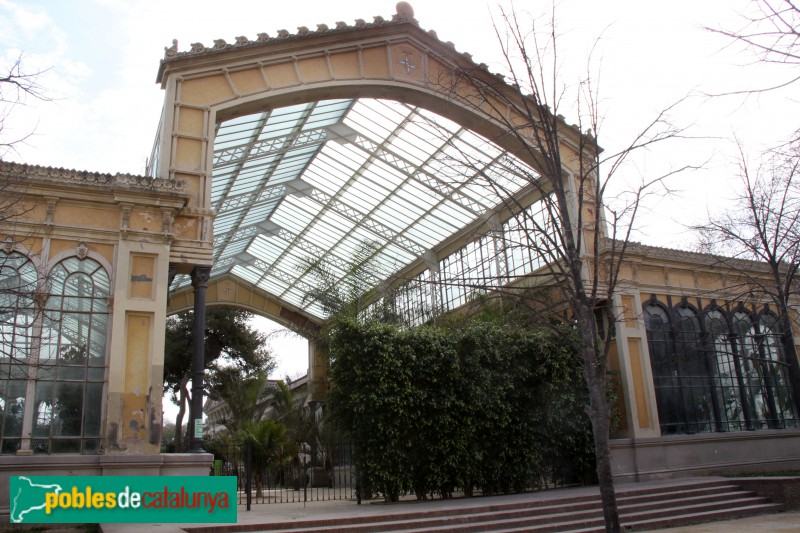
<point>197,47</point>
<point>410,66</point>
<point>302,30</point>
<point>404,10</point>
<point>405,13</point>
<point>172,50</point>
<point>283,34</point>
<point>361,23</point>
<point>262,37</point>
<point>241,41</point>
<point>341,25</point>
<point>219,44</point>
<point>322,27</point>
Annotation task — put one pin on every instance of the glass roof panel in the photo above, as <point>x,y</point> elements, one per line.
<point>246,273</point>
<point>266,248</point>
<point>320,179</point>
<point>437,121</point>
<point>234,248</point>
<point>273,286</point>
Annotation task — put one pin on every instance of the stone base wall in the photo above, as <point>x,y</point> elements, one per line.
<point>705,454</point>
<point>785,490</point>
<point>177,464</point>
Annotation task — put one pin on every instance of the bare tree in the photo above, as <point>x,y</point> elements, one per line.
<point>762,226</point>
<point>772,33</point>
<point>20,283</point>
<point>582,225</point>
<point>16,86</point>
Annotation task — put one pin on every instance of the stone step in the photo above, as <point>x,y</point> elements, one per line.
<point>678,493</point>
<point>633,489</point>
<point>640,508</point>
<point>676,501</point>
<point>702,517</point>
<point>567,502</point>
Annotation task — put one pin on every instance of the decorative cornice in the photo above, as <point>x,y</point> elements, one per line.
<point>144,182</point>
<point>405,14</point>
<point>694,258</point>
<point>29,173</point>
<point>199,211</point>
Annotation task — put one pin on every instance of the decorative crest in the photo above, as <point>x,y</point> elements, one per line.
<point>81,250</point>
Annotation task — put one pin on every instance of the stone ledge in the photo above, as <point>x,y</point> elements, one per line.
<point>178,464</point>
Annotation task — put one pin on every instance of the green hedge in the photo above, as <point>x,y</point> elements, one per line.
<point>475,406</point>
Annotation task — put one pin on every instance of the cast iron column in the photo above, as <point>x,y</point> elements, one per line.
<point>200,276</point>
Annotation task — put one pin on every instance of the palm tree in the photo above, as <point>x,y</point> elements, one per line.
<point>267,440</point>
<point>241,393</point>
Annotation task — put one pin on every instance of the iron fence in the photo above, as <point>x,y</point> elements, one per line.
<point>298,473</point>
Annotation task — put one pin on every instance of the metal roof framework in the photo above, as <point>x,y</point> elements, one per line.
<point>320,180</point>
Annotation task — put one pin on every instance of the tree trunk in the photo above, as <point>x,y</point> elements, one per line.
<point>182,401</point>
<point>599,413</point>
<point>600,429</point>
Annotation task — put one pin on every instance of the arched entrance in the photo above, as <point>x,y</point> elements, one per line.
<point>211,91</point>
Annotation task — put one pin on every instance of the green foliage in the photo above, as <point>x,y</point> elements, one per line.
<point>228,337</point>
<point>240,391</point>
<point>231,346</point>
<point>267,440</point>
<point>291,412</point>
<point>478,405</point>
<point>343,297</point>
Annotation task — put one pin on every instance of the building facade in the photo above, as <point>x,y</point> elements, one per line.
<point>282,148</point>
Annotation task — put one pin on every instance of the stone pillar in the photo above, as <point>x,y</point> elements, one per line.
<point>136,351</point>
<point>200,276</point>
<point>633,364</point>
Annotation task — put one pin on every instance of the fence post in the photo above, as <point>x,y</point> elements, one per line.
<point>248,484</point>
<point>304,473</point>
<point>359,484</point>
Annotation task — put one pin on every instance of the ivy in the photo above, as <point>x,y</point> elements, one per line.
<point>474,406</point>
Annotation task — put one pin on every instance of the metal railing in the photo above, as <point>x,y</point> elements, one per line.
<point>303,474</point>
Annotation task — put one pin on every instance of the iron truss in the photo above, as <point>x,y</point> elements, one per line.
<point>320,180</point>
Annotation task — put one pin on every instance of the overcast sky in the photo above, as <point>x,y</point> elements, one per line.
<point>102,57</point>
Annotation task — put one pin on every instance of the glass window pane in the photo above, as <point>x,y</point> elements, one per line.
<point>94,403</point>
<point>43,409</point>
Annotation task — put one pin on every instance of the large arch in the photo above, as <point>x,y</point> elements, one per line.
<point>393,59</point>
<point>230,291</point>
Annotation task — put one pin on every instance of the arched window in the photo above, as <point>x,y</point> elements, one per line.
<point>18,284</point>
<point>770,364</point>
<point>666,365</point>
<point>726,373</point>
<point>692,371</point>
<point>72,359</point>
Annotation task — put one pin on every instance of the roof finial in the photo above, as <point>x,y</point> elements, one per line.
<point>172,50</point>
<point>404,10</point>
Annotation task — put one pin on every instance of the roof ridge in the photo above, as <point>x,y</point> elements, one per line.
<point>404,14</point>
